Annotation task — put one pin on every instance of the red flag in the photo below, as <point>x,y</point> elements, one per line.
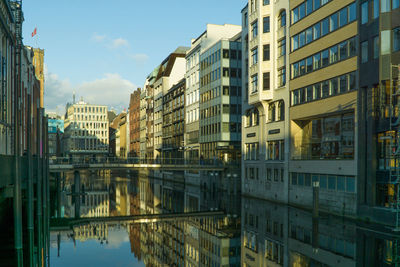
<point>34,32</point>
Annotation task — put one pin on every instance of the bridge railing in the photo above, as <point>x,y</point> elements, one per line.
<point>137,160</point>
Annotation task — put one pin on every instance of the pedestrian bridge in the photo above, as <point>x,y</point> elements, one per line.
<point>59,224</point>
<point>65,164</point>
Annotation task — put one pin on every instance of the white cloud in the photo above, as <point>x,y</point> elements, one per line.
<point>140,58</point>
<point>111,90</point>
<point>119,42</point>
<point>98,38</point>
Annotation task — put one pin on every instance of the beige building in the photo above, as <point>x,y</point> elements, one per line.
<point>265,127</point>
<point>323,107</point>
<point>86,130</point>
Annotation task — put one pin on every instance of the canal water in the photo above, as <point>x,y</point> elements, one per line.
<point>124,219</point>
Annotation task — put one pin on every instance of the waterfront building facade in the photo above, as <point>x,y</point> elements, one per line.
<point>220,100</point>
<point>265,127</point>
<point>86,130</point>
<point>134,124</point>
<point>324,105</point>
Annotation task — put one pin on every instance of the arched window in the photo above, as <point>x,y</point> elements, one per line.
<point>282,19</point>
<point>281,111</point>
<point>256,119</point>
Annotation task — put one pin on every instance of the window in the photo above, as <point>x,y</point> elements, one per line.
<point>325,58</point>
<point>271,112</point>
<point>266,81</point>
<point>282,19</point>
<point>276,150</point>
<point>352,12</point>
<point>376,47</point>
<point>282,76</point>
<point>309,35</point>
<point>317,61</point>
<point>396,39</point>
<point>265,24</point>
<point>325,27</point>
<point>343,86</point>
<point>385,42</point>
<point>245,19</point>
<point>364,12</point>
<point>254,29</point>
<point>254,56</point>
<point>265,2</point>
<point>343,17</point>
<point>254,83</point>
<point>385,6</point>
<point>225,53</point>
<point>343,50</point>
<point>282,47</point>
<point>316,31</point>
<point>302,67</point>
<point>309,64</point>
<point>333,22</point>
<point>375,9</point>
<point>281,110</point>
<point>395,4</point>
<point>225,72</point>
<point>266,52</point>
<point>333,54</point>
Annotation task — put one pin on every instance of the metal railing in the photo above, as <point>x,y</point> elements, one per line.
<point>138,160</point>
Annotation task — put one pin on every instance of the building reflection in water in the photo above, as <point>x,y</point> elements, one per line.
<point>276,235</point>
<point>251,232</point>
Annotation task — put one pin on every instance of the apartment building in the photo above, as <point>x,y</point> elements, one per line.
<point>134,124</point>
<point>173,122</point>
<point>86,130</point>
<point>171,71</point>
<point>220,100</point>
<point>323,104</point>
<point>265,127</point>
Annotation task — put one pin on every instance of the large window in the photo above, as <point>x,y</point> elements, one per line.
<point>254,29</point>
<point>335,21</point>
<point>265,24</point>
<point>252,151</point>
<point>266,81</point>
<point>282,47</point>
<point>282,76</point>
<point>325,138</point>
<point>282,19</point>
<point>254,56</point>
<point>276,150</point>
<point>266,52</point>
<point>364,12</point>
<point>364,52</point>
<point>254,83</point>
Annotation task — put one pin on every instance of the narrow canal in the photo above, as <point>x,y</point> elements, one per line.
<point>121,219</point>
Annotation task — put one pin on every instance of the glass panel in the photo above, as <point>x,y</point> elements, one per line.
<point>325,26</point>
<point>309,91</point>
<point>300,178</point>
<point>395,4</point>
<point>364,52</point>
<point>352,12</point>
<point>317,61</point>
<point>341,183</point>
<point>295,70</point>
<point>309,35</point>
<point>317,4</point>
<point>385,6</point>
<point>333,22</point>
<point>396,39</point>
<point>309,63</point>
<point>302,39</point>
<point>364,12</point>
<point>325,89</point>
<point>307,181</point>
<point>295,15</point>
<point>325,58</point>
<point>333,54</point>
<point>317,31</point>
<point>302,67</point>
<point>302,11</point>
<point>334,86</point>
<point>352,47</point>
<point>375,9</point>
<point>295,42</point>
<point>309,7</point>
<point>332,182</point>
<point>343,83</point>
<point>342,17</point>
<point>352,81</point>
<point>322,181</point>
<point>343,51</point>
<point>317,91</point>
<point>350,184</point>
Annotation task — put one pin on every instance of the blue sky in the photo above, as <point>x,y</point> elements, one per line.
<point>103,50</point>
